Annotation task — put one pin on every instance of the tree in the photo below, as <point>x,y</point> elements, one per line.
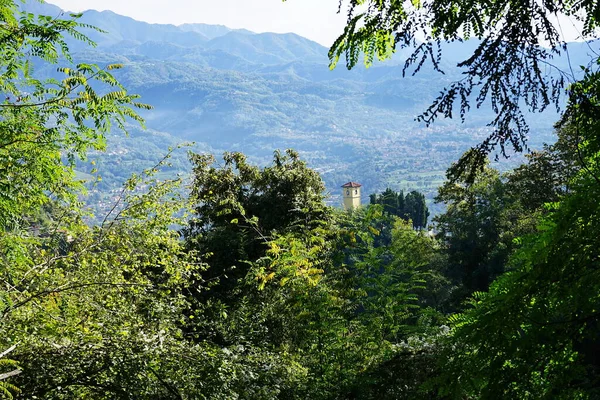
<point>538,181</point>
<point>392,202</point>
<point>412,207</point>
<point>391,285</point>
<point>318,297</point>
<point>241,207</point>
<point>471,228</point>
<point>536,331</point>
<point>535,334</point>
<point>415,209</point>
<point>484,217</point>
<point>91,310</point>
<point>45,123</point>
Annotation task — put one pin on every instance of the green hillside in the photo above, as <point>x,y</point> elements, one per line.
<point>235,90</point>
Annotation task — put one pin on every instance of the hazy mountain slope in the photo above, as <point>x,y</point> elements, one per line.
<point>211,31</point>
<point>232,90</point>
<point>119,28</point>
<point>269,48</point>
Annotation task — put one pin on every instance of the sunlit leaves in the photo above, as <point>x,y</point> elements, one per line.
<point>85,296</point>
<point>535,334</point>
<point>48,123</point>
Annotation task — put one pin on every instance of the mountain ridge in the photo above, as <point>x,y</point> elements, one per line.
<point>233,90</point>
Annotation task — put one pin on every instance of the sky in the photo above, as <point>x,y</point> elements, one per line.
<point>317,20</point>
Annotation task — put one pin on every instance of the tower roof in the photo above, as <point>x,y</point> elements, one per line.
<point>351,185</point>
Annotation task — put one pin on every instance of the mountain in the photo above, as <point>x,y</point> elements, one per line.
<point>119,28</point>
<point>231,89</point>
<point>124,35</point>
<point>269,48</point>
<point>35,7</point>
<point>212,31</point>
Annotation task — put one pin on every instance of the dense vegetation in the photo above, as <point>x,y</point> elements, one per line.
<point>251,287</point>
<point>410,207</point>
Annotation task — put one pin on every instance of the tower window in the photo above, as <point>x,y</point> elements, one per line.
<point>355,191</point>
<point>347,193</point>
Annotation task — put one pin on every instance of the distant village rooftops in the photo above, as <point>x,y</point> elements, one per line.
<point>351,185</point>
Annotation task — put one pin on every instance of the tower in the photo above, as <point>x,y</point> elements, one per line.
<point>351,195</point>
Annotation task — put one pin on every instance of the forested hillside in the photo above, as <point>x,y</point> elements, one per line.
<point>237,279</point>
<point>234,90</point>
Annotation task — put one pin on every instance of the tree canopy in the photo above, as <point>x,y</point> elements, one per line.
<point>410,207</point>
<point>251,287</point>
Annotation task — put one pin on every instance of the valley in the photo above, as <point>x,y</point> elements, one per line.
<point>227,90</point>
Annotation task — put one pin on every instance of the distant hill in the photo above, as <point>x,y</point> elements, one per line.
<point>119,28</point>
<point>238,90</point>
<point>211,31</point>
<point>269,48</point>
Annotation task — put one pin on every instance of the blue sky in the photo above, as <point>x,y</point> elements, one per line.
<point>315,19</point>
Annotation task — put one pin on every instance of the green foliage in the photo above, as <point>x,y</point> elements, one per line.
<point>473,226</point>
<point>260,301</point>
<point>48,121</point>
<point>385,282</point>
<point>416,208</point>
<point>97,307</point>
<point>487,212</point>
<point>535,333</point>
<point>412,207</point>
<point>240,207</point>
<point>253,288</point>
<point>7,389</point>
<point>318,289</point>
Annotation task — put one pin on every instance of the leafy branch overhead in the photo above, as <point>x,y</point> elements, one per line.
<point>510,70</point>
